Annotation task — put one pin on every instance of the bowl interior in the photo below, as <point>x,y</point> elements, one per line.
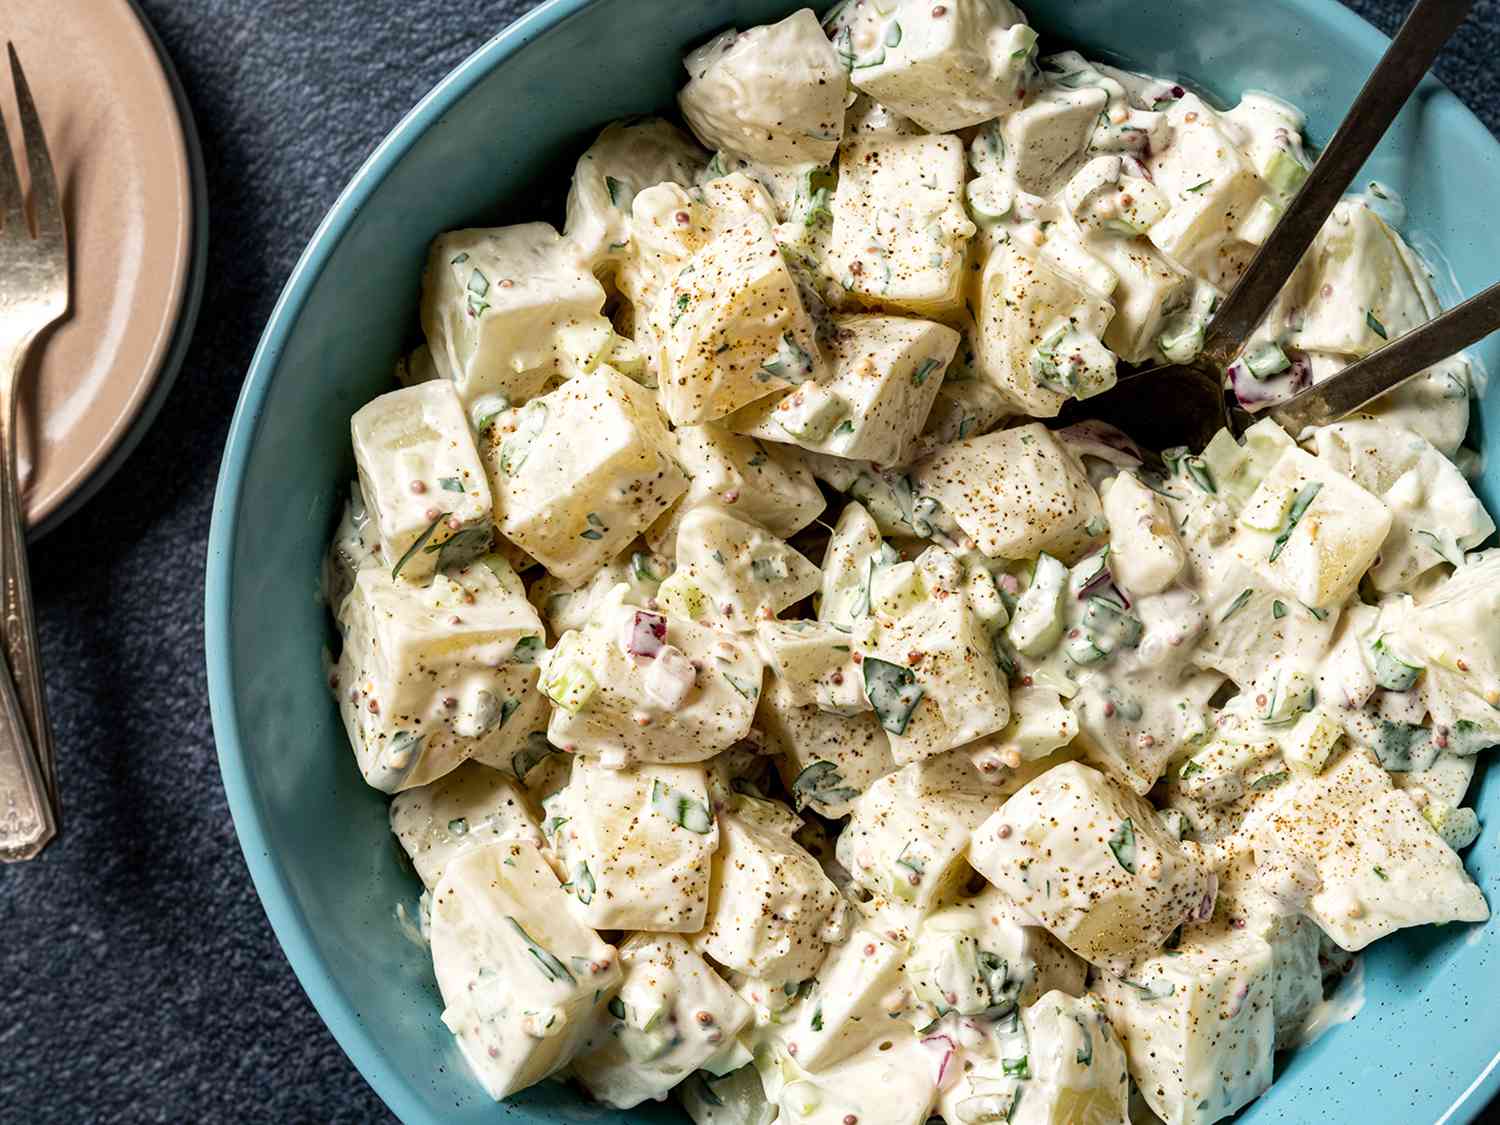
<point>495,142</point>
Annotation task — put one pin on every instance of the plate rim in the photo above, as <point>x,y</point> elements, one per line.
<point>190,275</point>
<point>290,927</point>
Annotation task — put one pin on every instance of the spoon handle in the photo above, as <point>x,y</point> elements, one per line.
<point>1427,27</point>
<point>1393,364</point>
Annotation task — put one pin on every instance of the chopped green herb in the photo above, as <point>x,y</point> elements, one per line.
<point>617,1007</point>
<point>459,826</point>
<point>420,542</point>
<point>1199,474</point>
<point>1238,604</point>
<point>1375,325</point>
<point>583,884</point>
<point>459,259</point>
<point>817,1018</point>
<point>516,447</point>
<point>893,692</point>
<point>1278,609</point>
<point>527,649</point>
<point>525,760</point>
<point>451,484</point>
<point>739,683</point>
<point>640,566</point>
<point>680,307</point>
<point>1016,1068</point>
<point>919,376</point>
<point>681,809</point>
<point>1300,505</point>
<point>1381,875</point>
<point>615,188</point>
<point>550,967</point>
<point>596,528</point>
<point>822,783</point>
<point>1197,188</point>
<point>1122,845</point>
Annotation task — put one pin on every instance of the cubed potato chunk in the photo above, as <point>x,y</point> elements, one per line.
<point>626,158</point>
<point>908,845</point>
<point>813,665</point>
<point>523,984</point>
<point>849,1005</point>
<point>1369,861</point>
<point>734,573</point>
<point>1452,632</point>
<point>892,1081</point>
<point>355,546</point>
<point>1435,516</point>
<point>825,759</point>
<point>980,955</point>
<point>899,224</point>
<point>1218,202</point>
<point>1198,1024</point>
<point>1241,644</point>
<point>1038,333</point>
<point>928,659</point>
<point>733,1098</point>
<point>686,691</point>
<point>771,910</point>
<point>671,1015</point>
<point>1145,553</point>
<point>1246,904</point>
<point>885,372</point>
<point>1045,140</point>
<point>1089,860</point>
<point>421,481</point>
<point>845,593</point>
<point>1147,286</point>
<point>735,327</point>
<point>420,694</point>
<point>467,808</point>
<point>774,94</point>
<point>636,845</point>
<point>1363,286</point>
<point>1016,493</point>
<point>944,66</point>
<point>1060,1063</point>
<point>502,309</point>
<point>580,472</point>
<point>762,482</point>
<point>1311,530</point>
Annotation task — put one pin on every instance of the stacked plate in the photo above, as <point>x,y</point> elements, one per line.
<point>127,160</point>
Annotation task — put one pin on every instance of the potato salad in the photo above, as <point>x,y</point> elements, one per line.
<point>785,713</point>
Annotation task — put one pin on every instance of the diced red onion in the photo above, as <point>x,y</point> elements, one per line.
<point>1102,585</point>
<point>1205,909</point>
<point>1099,439</point>
<point>945,1047</point>
<point>645,634</point>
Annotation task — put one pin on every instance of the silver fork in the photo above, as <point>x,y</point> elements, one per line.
<point>33,294</point>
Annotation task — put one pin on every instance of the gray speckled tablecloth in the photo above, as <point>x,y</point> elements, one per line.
<point>139,979</point>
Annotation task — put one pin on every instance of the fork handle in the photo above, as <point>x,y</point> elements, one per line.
<point>1403,358</point>
<point>27,819</point>
<point>1427,27</point>
<point>23,691</point>
<point>27,823</point>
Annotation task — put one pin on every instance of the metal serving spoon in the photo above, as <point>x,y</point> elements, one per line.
<point>1185,404</point>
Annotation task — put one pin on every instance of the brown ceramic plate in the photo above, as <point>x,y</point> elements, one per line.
<point>131,177</point>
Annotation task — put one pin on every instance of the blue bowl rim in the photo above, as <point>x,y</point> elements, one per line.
<point>290,927</point>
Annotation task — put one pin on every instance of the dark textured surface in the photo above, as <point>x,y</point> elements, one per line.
<point>139,979</point>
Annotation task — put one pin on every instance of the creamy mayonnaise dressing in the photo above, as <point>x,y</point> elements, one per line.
<point>1032,782</point>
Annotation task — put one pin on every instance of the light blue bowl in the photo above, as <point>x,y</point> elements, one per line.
<point>497,133</point>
